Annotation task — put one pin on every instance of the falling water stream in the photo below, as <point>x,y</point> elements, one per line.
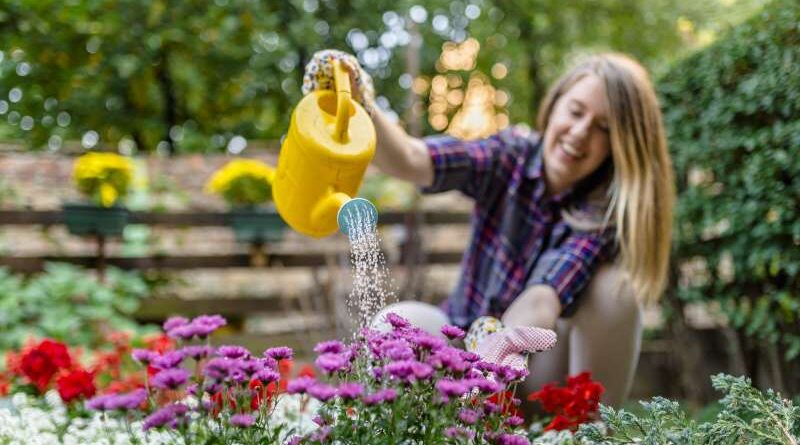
<point>372,284</point>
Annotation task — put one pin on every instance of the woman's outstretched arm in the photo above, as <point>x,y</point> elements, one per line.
<point>400,155</point>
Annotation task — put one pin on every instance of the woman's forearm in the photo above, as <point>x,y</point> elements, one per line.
<point>400,155</point>
<point>537,306</point>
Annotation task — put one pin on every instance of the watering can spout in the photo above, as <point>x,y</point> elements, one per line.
<point>357,216</point>
<point>330,142</point>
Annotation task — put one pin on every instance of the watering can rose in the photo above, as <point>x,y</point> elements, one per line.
<point>243,182</point>
<point>103,177</point>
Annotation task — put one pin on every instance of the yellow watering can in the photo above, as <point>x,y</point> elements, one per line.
<point>324,156</point>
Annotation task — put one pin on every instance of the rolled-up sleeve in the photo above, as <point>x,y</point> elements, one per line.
<point>568,267</point>
<point>468,166</point>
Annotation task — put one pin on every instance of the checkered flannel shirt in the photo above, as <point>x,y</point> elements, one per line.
<point>519,238</point>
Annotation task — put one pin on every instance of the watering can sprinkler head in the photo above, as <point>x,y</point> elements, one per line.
<point>354,213</point>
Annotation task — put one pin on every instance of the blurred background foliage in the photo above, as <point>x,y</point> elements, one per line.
<point>205,76</point>
<point>733,116</point>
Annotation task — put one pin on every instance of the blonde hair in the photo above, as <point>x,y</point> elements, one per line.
<point>640,192</point>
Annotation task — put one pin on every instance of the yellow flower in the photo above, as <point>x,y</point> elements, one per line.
<point>243,182</point>
<point>103,177</point>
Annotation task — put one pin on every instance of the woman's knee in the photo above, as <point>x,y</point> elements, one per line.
<point>609,297</point>
<point>422,315</point>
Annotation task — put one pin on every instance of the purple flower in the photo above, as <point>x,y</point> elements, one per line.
<point>397,350</point>
<point>507,374</point>
<point>422,371</point>
<point>468,416</point>
<point>210,321</point>
<point>267,375</point>
<point>449,358</point>
<point>168,415</point>
<point>144,356</point>
<point>242,420</point>
<point>331,363</point>
<point>294,440</point>
<point>174,322</point>
<point>485,366</point>
<point>427,341</point>
<point>322,392</point>
<point>451,388</point>
<point>300,385</point>
<point>171,378</point>
<point>510,439</point>
<point>350,391</point>
<point>99,403</point>
<point>213,388</point>
<point>237,373</point>
<point>400,370</point>
<point>470,357</point>
<point>232,352</point>
<point>251,365</point>
<point>184,332</point>
<point>397,321</point>
<point>197,352</point>
<point>219,368</point>
<point>168,360</point>
<point>485,385</point>
<point>331,346</point>
<point>385,395</point>
<point>279,353</point>
<point>452,332</point>
<point>515,421</point>
<point>129,401</point>
<point>455,432</point>
<point>491,407</point>
<point>269,362</point>
<point>321,434</point>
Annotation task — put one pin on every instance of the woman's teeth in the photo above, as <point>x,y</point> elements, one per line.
<point>570,150</point>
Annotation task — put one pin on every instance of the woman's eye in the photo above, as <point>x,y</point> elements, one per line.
<point>575,113</point>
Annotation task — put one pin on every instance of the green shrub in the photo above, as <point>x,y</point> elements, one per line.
<point>69,304</point>
<point>747,416</point>
<point>732,113</point>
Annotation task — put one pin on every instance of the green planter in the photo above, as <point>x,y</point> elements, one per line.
<point>90,219</point>
<point>257,225</point>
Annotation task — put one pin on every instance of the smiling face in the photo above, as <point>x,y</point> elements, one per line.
<point>576,140</point>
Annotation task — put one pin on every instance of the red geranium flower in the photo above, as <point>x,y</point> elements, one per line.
<point>42,362</point>
<point>76,384</point>
<point>509,409</point>
<point>571,405</point>
<point>559,423</point>
<point>159,343</point>
<point>5,385</point>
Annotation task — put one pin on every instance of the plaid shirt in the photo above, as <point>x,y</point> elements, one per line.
<point>518,236</point>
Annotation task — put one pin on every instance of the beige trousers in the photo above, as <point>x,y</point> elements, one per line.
<point>603,336</point>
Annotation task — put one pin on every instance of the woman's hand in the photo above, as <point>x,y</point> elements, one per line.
<point>319,76</point>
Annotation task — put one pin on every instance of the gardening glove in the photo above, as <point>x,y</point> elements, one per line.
<point>507,346</point>
<point>319,76</point>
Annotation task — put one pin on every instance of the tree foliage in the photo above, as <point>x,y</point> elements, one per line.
<point>188,75</point>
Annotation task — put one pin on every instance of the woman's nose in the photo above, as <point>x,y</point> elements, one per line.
<point>580,128</point>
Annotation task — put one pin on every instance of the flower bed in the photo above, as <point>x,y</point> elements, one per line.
<point>401,387</point>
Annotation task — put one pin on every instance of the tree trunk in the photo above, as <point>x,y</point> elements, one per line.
<point>170,102</point>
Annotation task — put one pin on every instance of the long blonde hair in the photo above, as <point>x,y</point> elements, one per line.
<point>640,192</point>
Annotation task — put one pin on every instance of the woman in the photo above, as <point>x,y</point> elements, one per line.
<point>572,224</point>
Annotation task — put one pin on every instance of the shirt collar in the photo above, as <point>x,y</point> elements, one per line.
<point>535,170</point>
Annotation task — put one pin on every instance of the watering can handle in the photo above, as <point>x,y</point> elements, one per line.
<point>341,80</point>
